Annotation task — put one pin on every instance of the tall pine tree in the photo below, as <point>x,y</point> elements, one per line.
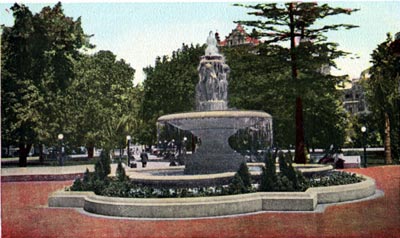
<point>294,22</point>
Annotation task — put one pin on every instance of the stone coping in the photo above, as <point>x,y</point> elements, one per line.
<point>214,114</point>
<point>215,205</point>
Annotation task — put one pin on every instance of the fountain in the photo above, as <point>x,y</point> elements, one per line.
<point>213,122</point>
<point>213,164</point>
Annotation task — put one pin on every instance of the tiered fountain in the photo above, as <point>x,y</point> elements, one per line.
<point>214,122</point>
<point>214,163</point>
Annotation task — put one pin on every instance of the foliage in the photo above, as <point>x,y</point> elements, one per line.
<point>241,182</point>
<point>37,55</point>
<point>116,188</point>
<point>289,179</point>
<point>169,87</point>
<point>120,173</point>
<point>102,168</point>
<point>269,177</point>
<point>383,95</point>
<point>294,21</point>
<point>254,84</point>
<point>104,100</point>
<point>49,86</point>
<point>336,178</point>
<point>245,175</point>
<point>237,185</point>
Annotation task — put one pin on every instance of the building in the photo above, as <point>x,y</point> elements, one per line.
<point>354,100</point>
<point>238,36</point>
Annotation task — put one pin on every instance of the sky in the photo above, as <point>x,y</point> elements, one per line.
<point>138,32</point>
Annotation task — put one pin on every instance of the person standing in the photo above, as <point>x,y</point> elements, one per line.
<point>144,158</point>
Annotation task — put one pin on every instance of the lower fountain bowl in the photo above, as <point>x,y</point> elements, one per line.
<point>214,128</point>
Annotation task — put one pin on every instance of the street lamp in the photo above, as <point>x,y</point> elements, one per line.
<point>184,145</point>
<point>364,130</point>
<point>60,139</point>
<point>128,141</point>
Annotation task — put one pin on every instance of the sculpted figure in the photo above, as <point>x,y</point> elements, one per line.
<point>211,81</point>
<point>223,84</point>
<point>201,94</point>
<point>211,45</point>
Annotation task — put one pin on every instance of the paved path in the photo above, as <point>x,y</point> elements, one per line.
<point>60,170</point>
<point>25,214</point>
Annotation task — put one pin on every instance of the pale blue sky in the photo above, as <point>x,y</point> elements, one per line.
<point>139,32</point>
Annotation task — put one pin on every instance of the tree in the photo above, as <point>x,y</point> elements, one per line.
<point>102,97</point>
<point>59,40</point>
<point>20,95</point>
<point>260,80</point>
<point>169,87</point>
<point>291,22</point>
<point>36,59</point>
<point>382,93</point>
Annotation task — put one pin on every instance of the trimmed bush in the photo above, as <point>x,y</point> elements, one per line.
<point>120,172</point>
<point>102,167</point>
<point>268,176</point>
<point>245,175</point>
<point>237,186</point>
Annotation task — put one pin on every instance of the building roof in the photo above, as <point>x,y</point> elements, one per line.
<point>239,31</point>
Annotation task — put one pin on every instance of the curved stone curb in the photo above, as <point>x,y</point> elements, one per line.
<point>342,193</point>
<point>212,206</point>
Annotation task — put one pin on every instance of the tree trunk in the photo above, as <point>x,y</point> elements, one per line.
<point>388,152</point>
<point>300,157</point>
<point>23,154</point>
<point>90,149</point>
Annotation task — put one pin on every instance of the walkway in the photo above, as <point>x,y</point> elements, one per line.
<point>25,214</point>
<point>60,173</point>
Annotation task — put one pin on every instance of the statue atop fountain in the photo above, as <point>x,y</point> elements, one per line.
<point>212,88</point>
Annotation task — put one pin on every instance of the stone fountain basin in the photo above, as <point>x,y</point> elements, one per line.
<point>232,119</point>
<point>214,128</point>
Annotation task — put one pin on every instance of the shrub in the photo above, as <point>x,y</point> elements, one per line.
<point>120,172</point>
<point>245,175</point>
<point>334,178</point>
<point>297,180</point>
<point>237,186</point>
<point>77,185</point>
<point>268,176</point>
<point>117,188</point>
<point>102,168</point>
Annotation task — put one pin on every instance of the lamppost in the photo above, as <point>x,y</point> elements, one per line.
<point>364,130</point>
<point>184,145</point>
<point>128,152</point>
<point>60,140</point>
